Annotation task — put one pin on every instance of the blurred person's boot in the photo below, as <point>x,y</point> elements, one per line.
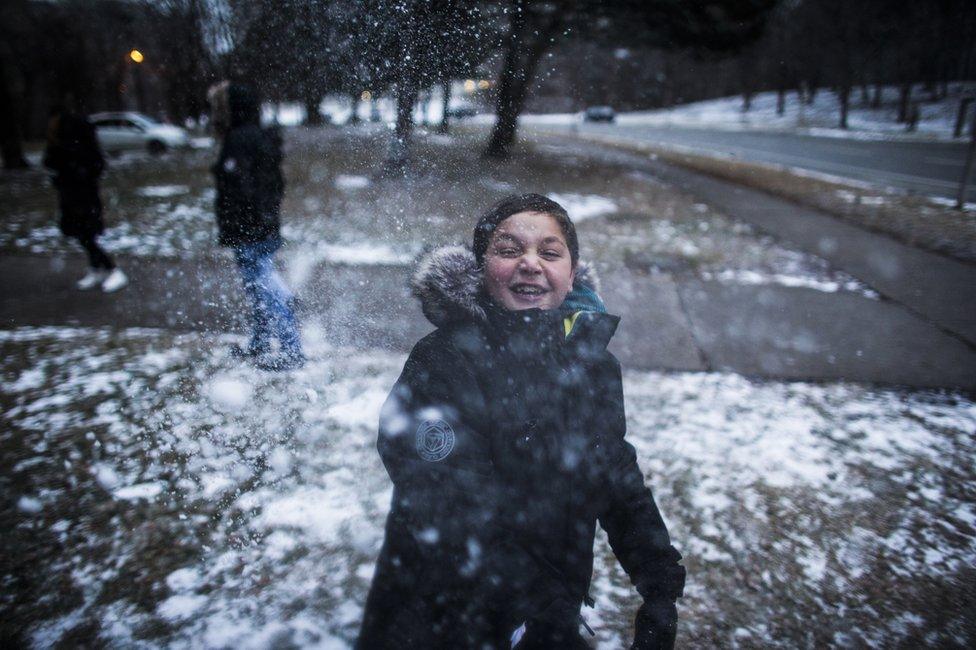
<point>92,279</point>
<point>281,362</point>
<point>115,281</point>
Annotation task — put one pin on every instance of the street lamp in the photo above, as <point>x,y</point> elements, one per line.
<point>137,57</point>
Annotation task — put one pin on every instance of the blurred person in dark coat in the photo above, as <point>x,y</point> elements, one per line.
<point>76,163</point>
<point>250,187</point>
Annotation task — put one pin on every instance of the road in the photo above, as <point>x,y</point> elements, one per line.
<point>933,168</point>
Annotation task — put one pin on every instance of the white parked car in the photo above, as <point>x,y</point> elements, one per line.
<point>130,130</point>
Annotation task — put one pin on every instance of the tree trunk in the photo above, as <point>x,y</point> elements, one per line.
<point>425,98</point>
<point>407,89</point>
<point>517,72</point>
<point>312,115</point>
<point>904,99</point>
<point>399,153</point>
<point>781,101</point>
<point>746,100</point>
<point>445,125</point>
<point>913,117</point>
<point>876,100</point>
<point>506,120</point>
<point>844,95</point>
<point>961,116</point>
<point>354,116</point>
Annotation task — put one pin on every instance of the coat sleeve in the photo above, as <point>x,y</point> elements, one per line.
<point>634,525</point>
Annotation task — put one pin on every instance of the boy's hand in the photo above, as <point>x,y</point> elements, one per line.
<point>655,626</point>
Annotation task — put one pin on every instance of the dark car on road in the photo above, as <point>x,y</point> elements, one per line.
<point>599,114</point>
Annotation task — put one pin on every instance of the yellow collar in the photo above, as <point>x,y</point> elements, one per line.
<point>570,321</point>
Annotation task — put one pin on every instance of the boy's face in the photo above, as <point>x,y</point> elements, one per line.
<point>527,264</point>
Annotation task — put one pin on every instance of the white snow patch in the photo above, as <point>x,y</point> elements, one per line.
<point>362,411</point>
<point>350,182</point>
<point>162,191</point>
<point>749,277</point>
<point>228,392</point>
<point>819,118</point>
<point>106,476</point>
<point>214,484</point>
<point>584,206</point>
<point>181,606</point>
<point>139,491</point>
<point>940,200</point>
<point>182,580</point>
<point>279,544</point>
<point>30,505</point>
<point>814,565</point>
<point>280,461</point>
<point>28,379</point>
<point>319,512</point>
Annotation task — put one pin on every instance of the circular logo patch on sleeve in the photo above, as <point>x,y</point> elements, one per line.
<point>435,440</point>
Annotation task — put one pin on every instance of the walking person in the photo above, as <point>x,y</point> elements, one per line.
<point>504,439</point>
<point>76,162</point>
<point>250,187</point>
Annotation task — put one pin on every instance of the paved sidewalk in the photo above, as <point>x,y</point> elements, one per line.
<point>668,323</point>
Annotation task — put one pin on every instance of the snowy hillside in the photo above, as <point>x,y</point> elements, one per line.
<point>936,119</point>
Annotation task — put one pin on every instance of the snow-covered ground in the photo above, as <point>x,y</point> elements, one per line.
<point>936,119</point>
<point>162,494</point>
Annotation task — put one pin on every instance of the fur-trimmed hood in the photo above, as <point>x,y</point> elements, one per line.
<point>448,284</point>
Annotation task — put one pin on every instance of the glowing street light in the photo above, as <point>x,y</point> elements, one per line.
<point>483,84</point>
<point>469,85</point>
<point>366,96</point>
<point>136,56</point>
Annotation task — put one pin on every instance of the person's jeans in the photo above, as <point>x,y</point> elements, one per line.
<point>271,313</point>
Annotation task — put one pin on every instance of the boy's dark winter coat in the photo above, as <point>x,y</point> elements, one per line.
<point>76,159</point>
<point>504,439</point>
<point>248,175</point>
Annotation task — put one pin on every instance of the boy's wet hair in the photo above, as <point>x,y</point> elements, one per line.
<point>522,203</point>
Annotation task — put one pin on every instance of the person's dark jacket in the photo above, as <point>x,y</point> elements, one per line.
<point>248,174</point>
<point>504,438</point>
<point>75,158</point>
